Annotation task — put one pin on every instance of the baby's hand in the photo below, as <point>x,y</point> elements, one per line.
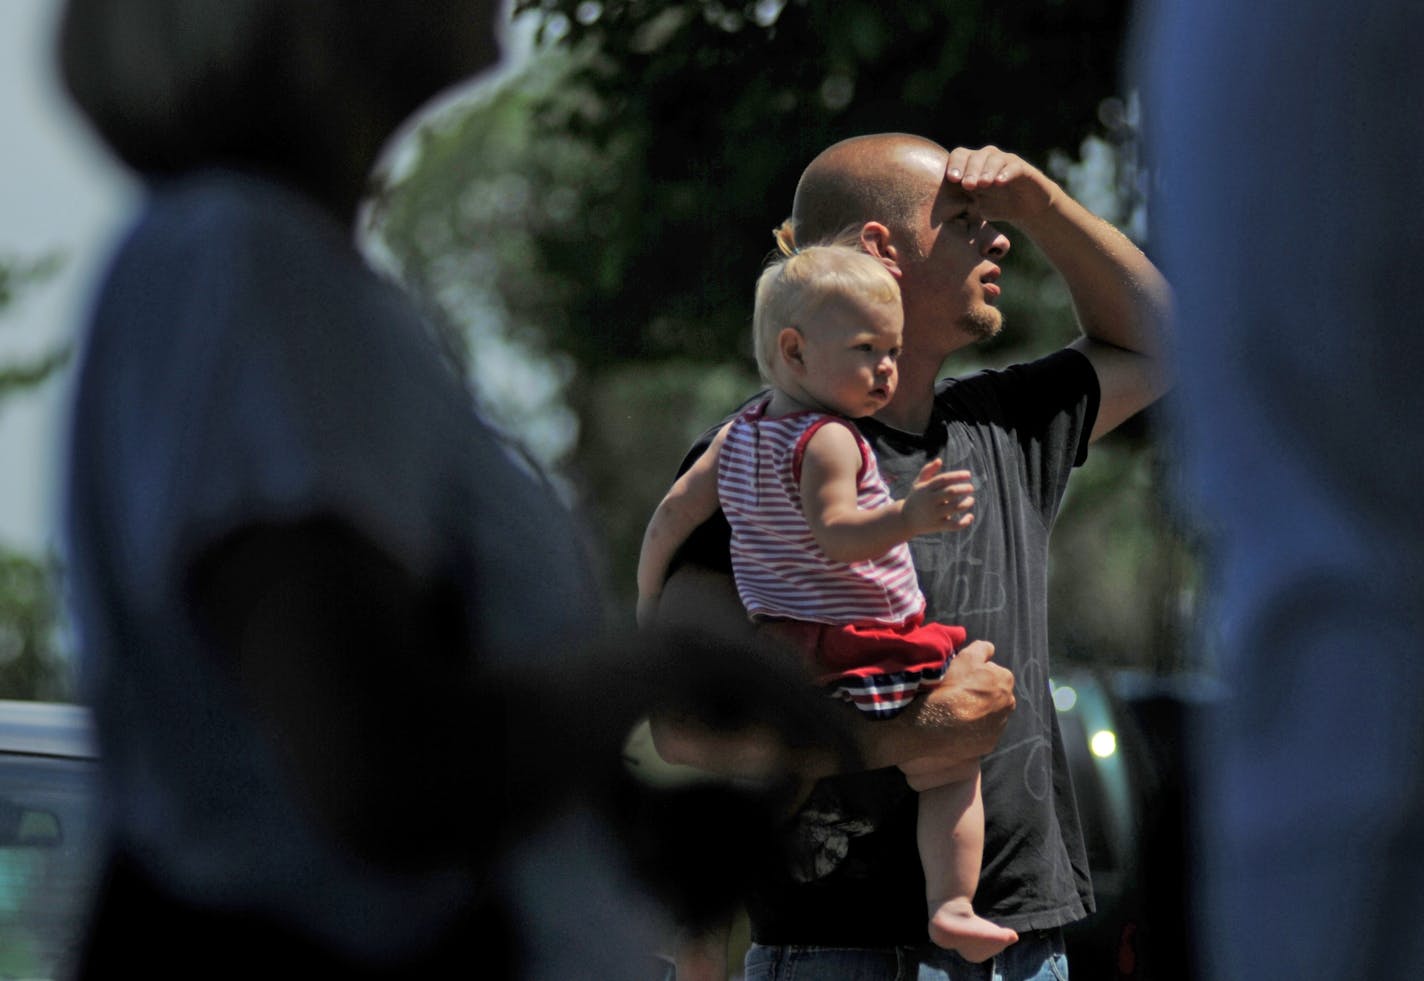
<point>939,501</point>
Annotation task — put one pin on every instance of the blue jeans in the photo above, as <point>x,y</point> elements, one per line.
<point>1037,956</point>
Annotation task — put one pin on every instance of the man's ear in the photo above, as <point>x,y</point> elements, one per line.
<point>875,240</point>
<point>789,344</point>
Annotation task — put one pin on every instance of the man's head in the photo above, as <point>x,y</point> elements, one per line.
<point>308,92</point>
<point>891,188</point>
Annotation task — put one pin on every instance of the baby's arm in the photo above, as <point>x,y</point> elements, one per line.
<point>691,501</point>
<point>847,533</point>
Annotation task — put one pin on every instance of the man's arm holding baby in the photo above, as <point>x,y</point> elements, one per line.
<point>692,500</point>
<point>955,723</point>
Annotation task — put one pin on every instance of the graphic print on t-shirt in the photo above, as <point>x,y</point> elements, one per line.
<point>952,565</point>
<point>962,573</point>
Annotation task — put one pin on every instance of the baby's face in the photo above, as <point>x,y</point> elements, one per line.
<point>850,354</point>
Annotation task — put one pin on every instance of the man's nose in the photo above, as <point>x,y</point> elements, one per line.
<point>993,244</point>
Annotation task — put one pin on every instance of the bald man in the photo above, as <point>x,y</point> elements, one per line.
<point>849,901</point>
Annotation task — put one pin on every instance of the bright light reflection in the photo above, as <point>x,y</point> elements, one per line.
<point>1064,698</point>
<point>1104,743</point>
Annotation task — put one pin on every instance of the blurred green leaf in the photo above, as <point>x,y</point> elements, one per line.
<point>31,664</point>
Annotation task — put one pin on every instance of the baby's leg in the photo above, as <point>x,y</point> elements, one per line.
<point>951,838</point>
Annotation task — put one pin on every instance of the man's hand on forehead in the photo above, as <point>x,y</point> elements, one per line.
<point>1001,186</point>
<point>985,166</point>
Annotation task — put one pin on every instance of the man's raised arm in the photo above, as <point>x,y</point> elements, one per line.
<point>1123,303</point>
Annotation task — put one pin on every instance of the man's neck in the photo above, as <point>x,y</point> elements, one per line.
<point>909,411</point>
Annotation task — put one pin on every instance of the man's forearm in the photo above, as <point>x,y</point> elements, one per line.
<point>943,728</point>
<point>1120,297</point>
<point>1124,307</point>
<point>959,720</point>
<point>750,753</point>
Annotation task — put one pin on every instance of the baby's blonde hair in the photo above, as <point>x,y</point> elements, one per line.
<point>800,279</point>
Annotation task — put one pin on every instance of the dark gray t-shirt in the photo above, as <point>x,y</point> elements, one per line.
<point>853,874</point>
<point>244,367</point>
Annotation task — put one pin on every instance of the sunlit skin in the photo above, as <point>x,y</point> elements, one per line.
<point>950,269</point>
<point>947,255</point>
<point>844,362</point>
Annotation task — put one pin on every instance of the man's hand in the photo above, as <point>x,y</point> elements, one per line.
<point>955,723</point>
<point>1002,186</point>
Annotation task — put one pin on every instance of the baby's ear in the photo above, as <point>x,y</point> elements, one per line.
<point>789,344</point>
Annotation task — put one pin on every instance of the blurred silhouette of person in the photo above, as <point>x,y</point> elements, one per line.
<point>1289,176</point>
<point>330,624</point>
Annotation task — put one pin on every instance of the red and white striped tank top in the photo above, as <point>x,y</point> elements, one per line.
<point>779,569</point>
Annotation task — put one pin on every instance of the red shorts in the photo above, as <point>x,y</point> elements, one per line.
<point>879,668</point>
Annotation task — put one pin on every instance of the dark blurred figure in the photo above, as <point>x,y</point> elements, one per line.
<point>1290,169</point>
<point>329,623</point>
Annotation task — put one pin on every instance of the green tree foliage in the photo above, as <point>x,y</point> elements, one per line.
<point>31,666</point>
<point>15,277</point>
<point>609,208</point>
<point>30,663</point>
<point>710,110</point>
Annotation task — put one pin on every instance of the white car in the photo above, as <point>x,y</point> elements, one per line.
<point>48,837</point>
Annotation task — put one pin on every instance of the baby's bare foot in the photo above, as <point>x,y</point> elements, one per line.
<point>955,926</point>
